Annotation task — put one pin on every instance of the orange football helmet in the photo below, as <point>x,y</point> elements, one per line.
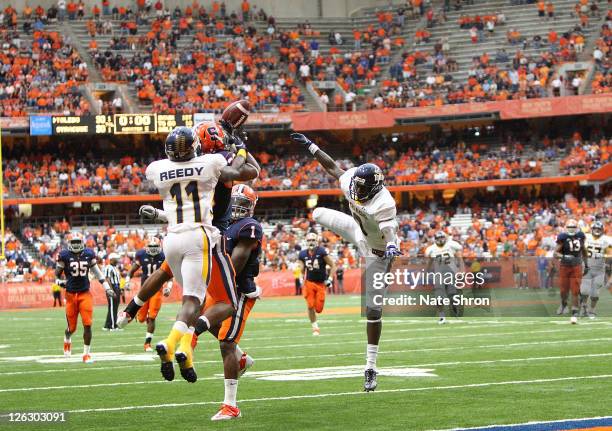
<point>243,200</point>
<point>211,137</point>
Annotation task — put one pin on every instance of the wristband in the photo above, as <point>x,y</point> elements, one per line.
<point>313,148</point>
<point>242,153</point>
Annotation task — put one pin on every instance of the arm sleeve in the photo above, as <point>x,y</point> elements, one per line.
<point>95,269</point>
<point>387,217</point>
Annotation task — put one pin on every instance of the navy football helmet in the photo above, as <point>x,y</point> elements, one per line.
<point>180,144</point>
<point>597,229</point>
<point>367,181</point>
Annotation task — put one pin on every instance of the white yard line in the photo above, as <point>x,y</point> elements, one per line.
<point>434,364</point>
<point>317,344</point>
<point>355,393</point>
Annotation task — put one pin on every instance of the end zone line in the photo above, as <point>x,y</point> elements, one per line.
<point>341,394</point>
<point>557,421</point>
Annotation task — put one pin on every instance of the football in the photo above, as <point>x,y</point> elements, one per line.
<point>236,113</point>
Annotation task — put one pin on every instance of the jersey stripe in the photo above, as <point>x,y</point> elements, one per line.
<point>206,262</point>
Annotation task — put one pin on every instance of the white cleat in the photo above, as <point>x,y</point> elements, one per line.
<point>227,412</point>
<point>442,321</point>
<point>316,332</point>
<point>574,320</point>
<point>123,319</point>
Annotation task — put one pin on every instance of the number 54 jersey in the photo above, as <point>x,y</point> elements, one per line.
<point>373,215</point>
<point>187,189</point>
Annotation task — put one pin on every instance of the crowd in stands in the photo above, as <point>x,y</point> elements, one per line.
<point>41,70</point>
<point>505,229</point>
<point>196,60</point>
<point>404,159</point>
<point>602,81</point>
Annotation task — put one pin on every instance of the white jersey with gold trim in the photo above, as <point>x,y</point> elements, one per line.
<point>444,256</point>
<point>597,250</point>
<point>187,189</point>
<point>373,215</point>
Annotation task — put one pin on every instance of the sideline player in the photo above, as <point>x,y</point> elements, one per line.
<point>149,259</point>
<point>599,248</point>
<point>75,262</point>
<point>186,183</point>
<point>445,257</point>
<point>572,253</point>
<point>313,261</point>
<point>372,229</point>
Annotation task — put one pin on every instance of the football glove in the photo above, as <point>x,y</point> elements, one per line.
<point>392,251</point>
<point>148,212</point>
<point>256,294</point>
<point>301,139</point>
<point>168,289</point>
<point>329,282</point>
<point>109,291</point>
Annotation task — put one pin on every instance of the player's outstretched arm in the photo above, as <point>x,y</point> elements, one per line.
<point>153,284</point>
<point>103,281</point>
<point>233,172</point>
<point>149,212</point>
<point>322,157</point>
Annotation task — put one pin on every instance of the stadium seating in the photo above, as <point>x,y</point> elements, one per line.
<point>56,68</point>
<point>493,230</point>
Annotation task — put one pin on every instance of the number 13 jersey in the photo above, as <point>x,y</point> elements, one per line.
<point>373,215</point>
<point>187,189</point>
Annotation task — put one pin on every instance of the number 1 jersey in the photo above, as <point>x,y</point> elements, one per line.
<point>187,189</point>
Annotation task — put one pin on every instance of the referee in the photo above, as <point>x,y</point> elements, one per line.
<point>111,272</point>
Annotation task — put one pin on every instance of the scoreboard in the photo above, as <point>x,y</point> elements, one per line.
<point>118,124</point>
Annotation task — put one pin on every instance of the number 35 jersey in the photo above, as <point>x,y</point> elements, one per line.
<point>76,268</point>
<point>373,215</point>
<point>187,189</point>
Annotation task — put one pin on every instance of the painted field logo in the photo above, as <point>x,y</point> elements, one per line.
<point>336,373</point>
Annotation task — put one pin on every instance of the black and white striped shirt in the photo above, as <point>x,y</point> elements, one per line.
<point>112,275</point>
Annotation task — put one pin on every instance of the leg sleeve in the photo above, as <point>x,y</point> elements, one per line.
<point>341,224</point>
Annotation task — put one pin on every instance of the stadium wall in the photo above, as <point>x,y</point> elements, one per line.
<point>273,283</point>
<point>276,8</point>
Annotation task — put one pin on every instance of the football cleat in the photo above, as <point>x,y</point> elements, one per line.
<point>574,320</point>
<point>246,362</point>
<point>316,332</point>
<point>562,310</point>
<point>442,321</point>
<point>123,319</point>
<point>87,359</point>
<point>167,366</point>
<point>227,412</point>
<point>370,380</point>
<point>185,361</point>
<point>147,347</point>
<point>67,349</point>
<point>592,315</point>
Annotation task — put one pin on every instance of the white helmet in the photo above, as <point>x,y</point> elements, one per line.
<point>312,240</point>
<point>571,226</point>
<point>153,247</point>
<point>76,244</point>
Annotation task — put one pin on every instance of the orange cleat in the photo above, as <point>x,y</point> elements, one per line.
<point>87,359</point>
<point>226,412</point>
<point>246,362</point>
<point>147,347</point>
<point>67,349</point>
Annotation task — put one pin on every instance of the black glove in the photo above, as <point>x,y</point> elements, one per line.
<point>301,139</point>
<point>226,126</point>
<point>237,142</point>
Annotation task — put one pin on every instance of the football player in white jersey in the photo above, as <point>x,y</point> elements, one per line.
<point>444,256</point>
<point>186,183</point>
<point>599,249</point>
<point>371,227</point>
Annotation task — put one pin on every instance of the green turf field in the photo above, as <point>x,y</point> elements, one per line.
<point>473,372</point>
